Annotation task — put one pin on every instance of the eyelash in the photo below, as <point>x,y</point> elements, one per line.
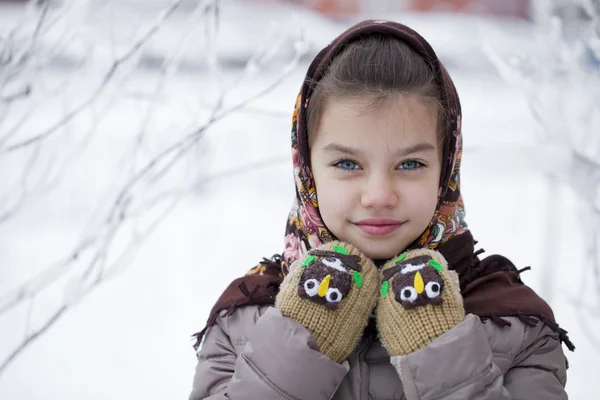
<point>420,165</point>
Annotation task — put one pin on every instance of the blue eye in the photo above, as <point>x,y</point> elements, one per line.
<point>410,165</point>
<point>347,165</point>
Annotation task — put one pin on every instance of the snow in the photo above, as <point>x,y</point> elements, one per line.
<point>130,338</point>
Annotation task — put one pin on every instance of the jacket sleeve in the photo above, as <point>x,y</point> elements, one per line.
<point>460,365</point>
<point>540,369</point>
<point>279,361</point>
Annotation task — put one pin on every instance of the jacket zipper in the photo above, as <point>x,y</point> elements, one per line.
<point>364,378</point>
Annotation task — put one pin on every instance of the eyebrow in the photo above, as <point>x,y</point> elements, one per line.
<point>340,148</point>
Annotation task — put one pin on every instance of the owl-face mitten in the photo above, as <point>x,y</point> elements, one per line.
<point>332,292</point>
<point>420,300</point>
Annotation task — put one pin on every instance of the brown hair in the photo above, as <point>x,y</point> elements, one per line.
<point>380,67</point>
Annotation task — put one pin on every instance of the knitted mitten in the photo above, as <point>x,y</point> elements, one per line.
<point>420,300</point>
<point>332,292</point>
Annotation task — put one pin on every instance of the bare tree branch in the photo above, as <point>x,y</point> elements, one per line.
<point>32,337</point>
<point>561,80</point>
<point>21,93</point>
<point>140,204</point>
<point>104,82</point>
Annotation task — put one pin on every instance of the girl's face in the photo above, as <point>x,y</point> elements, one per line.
<point>377,172</point>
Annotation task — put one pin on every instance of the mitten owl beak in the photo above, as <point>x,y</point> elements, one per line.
<point>418,284</point>
<point>324,286</point>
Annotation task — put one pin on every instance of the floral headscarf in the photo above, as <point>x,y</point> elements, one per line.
<point>305,228</point>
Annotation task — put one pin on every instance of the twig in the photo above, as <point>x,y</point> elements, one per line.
<point>32,338</point>
<point>121,211</point>
<point>167,69</point>
<point>45,278</point>
<point>24,92</point>
<point>102,86</point>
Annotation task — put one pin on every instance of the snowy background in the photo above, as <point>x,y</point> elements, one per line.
<point>134,186</point>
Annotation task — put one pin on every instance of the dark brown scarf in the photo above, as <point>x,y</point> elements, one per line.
<point>491,288</point>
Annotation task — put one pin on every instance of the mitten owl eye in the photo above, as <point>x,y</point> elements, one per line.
<point>433,289</point>
<point>415,282</point>
<point>334,295</point>
<point>328,280</point>
<point>408,293</point>
<point>311,287</point>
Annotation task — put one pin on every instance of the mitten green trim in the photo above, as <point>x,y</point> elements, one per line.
<point>384,289</point>
<point>438,267</point>
<point>357,279</point>
<point>340,249</point>
<point>400,258</point>
<point>309,260</point>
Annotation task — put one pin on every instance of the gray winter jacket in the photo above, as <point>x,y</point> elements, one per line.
<point>258,354</point>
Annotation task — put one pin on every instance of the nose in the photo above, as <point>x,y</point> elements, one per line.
<point>379,192</point>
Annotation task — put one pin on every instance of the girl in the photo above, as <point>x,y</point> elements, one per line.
<point>379,293</point>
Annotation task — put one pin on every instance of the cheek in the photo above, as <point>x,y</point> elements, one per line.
<point>421,199</point>
<point>334,197</point>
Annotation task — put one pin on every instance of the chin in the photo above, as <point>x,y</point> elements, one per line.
<point>380,255</point>
<point>375,248</point>
<point>375,252</point>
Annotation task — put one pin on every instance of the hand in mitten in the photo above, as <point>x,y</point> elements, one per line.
<point>420,300</point>
<point>332,292</point>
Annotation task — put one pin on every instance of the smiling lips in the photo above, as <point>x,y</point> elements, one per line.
<point>378,226</point>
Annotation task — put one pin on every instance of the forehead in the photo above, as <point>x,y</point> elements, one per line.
<point>379,126</point>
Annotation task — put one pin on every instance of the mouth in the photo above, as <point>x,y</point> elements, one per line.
<point>378,226</point>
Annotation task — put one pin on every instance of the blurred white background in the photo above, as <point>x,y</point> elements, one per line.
<point>144,164</point>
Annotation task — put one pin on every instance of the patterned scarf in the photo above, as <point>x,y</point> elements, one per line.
<point>483,283</point>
